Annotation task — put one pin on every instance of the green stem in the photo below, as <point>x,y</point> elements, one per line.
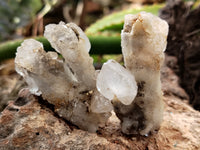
<point>100,45</point>
<point>105,44</point>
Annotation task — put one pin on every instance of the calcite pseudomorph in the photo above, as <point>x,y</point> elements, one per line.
<point>86,97</point>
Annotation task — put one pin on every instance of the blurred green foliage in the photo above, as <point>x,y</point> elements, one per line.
<point>15,14</point>
<point>104,35</point>
<point>113,23</point>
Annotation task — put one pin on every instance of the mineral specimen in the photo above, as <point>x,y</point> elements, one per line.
<point>68,83</point>
<point>86,97</point>
<point>143,43</point>
<point>116,83</point>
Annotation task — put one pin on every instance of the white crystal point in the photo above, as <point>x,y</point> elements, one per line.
<point>67,36</point>
<point>27,57</point>
<point>143,33</point>
<point>114,81</point>
<point>70,41</point>
<point>27,53</point>
<point>83,39</point>
<point>61,38</point>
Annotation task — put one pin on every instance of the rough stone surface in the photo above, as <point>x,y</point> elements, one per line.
<point>30,123</point>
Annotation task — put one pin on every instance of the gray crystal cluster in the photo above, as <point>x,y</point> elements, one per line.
<point>86,97</point>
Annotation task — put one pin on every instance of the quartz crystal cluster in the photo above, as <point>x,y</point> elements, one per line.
<point>69,83</point>
<point>86,97</point>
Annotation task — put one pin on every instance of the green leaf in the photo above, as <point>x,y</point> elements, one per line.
<point>115,21</point>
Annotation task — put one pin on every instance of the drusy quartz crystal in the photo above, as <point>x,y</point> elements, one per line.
<point>86,97</point>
